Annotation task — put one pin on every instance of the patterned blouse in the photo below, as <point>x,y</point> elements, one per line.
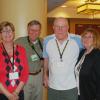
<point>19,66</point>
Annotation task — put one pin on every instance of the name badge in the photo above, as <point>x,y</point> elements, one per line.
<point>34,57</point>
<point>13,75</point>
<point>60,64</point>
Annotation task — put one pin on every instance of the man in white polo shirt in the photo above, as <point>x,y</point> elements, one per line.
<point>60,56</point>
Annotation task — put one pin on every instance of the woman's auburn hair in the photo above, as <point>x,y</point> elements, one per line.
<point>96,36</point>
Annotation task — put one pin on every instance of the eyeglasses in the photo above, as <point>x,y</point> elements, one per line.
<point>87,37</point>
<point>60,27</point>
<point>7,31</point>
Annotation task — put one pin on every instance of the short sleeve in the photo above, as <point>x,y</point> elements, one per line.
<point>45,54</point>
<point>77,38</point>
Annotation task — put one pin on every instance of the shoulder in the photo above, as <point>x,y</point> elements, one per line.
<point>41,39</point>
<point>96,52</point>
<point>20,48</point>
<point>96,60</point>
<point>48,38</point>
<point>72,41</point>
<point>77,39</point>
<point>74,35</point>
<point>21,39</point>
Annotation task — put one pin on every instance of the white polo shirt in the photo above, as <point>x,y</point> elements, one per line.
<point>61,73</point>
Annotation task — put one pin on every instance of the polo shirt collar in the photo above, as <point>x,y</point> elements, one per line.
<point>66,39</point>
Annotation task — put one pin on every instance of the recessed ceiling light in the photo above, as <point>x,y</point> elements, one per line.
<point>63,6</point>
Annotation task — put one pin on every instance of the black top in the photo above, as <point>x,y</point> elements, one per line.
<point>89,77</point>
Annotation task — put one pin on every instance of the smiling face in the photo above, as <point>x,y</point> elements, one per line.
<point>87,40</point>
<point>7,34</point>
<point>34,30</point>
<point>61,28</point>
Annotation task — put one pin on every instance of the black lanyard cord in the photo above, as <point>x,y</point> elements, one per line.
<point>32,46</point>
<point>35,51</point>
<point>40,44</point>
<point>61,53</point>
<point>12,62</point>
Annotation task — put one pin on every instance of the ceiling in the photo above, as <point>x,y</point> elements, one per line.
<point>70,11</point>
<point>75,3</point>
<point>52,4</point>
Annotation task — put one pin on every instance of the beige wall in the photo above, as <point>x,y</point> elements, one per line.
<point>20,12</point>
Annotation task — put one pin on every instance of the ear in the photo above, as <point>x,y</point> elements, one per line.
<point>53,27</point>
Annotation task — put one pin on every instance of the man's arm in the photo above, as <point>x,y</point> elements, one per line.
<point>45,72</point>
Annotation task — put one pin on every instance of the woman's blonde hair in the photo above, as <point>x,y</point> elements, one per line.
<point>5,24</point>
<point>96,37</point>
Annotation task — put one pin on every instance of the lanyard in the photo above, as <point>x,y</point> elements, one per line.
<point>33,47</point>
<point>40,44</point>
<point>61,53</point>
<point>12,62</point>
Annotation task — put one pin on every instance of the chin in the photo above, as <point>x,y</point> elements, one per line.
<point>60,38</point>
<point>86,47</point>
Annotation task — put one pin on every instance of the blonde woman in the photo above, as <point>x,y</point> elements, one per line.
<point>13,65</point>
<point>87,69</point>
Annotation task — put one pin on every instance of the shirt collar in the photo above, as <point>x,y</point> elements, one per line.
<point>66,39</point>
<point>34,42</point>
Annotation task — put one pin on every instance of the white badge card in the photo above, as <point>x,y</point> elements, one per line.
<point>60,64</point>
<point>34,57</point>
<point>13,75</point>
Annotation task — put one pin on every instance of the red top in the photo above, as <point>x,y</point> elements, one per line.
<point>20,66</point>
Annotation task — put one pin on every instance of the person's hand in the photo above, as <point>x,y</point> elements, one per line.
<point>16,95</point>
<point>45,81</point>
<point>11,97</point>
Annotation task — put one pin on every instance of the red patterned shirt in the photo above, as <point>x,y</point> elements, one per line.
<point>20,66</point>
